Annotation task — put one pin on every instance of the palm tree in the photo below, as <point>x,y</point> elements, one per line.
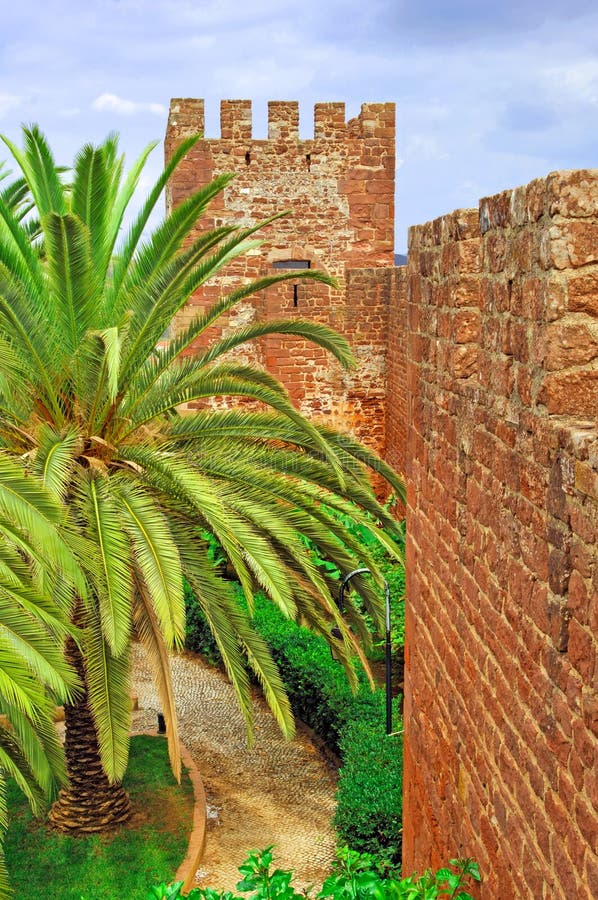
<point>93,406</point>
<point>33,626</point>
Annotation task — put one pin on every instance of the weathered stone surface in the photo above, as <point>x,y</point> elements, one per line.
<point>340,188</point>
<point>573,244</point>
<point>570,393</point>
<point>573,194</point>
<point>502,523</point>
<point>569,345</point>
<point>478,377</point>
<point>583,294</point>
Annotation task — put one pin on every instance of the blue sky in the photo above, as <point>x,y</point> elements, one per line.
<point>489,95</point>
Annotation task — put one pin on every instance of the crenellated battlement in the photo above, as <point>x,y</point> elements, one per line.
<point>283,120</point>
<point>186,116</point>
<point>375,120</point>
<point>235,120</point>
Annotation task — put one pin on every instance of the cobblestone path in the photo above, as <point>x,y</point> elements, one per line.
<point>280,792</point>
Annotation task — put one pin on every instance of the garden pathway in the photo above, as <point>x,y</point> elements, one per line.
<point>280,792</point>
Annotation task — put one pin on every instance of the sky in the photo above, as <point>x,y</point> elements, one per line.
<point>489,95</point>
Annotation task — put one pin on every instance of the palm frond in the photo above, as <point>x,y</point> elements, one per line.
<point>234,380</point>
<point>108,684</point>
<point>14,764</point>
<point>40,171</point>
<point>126,254</point>
<point>123,194</point>
<point>37,649</point>
<point>40,745</point>
<point>28,504</point>
<point>55,458</point>
<point>151,636</point>
<point>157,559</point>
<point>91,196</point>
<point>315,332</point>
<point>114,591</point>
<point>73,281</point>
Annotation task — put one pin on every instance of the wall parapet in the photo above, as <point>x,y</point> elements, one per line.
<point>374,121</point>
<point>502,540</point>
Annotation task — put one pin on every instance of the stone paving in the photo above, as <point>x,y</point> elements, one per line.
<point>279,792</point>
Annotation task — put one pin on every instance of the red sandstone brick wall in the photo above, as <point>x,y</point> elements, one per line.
<point>340,187</point>
<point>478,372</point>
<point>396,411</point>
<point>501,710</point>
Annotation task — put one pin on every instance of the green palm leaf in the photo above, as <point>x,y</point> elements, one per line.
<point>157,558</point>
<point>108,684</point>
<point>55,459</point>
<point>114,590</point>
<point>151,636</point>
<point>72,278</point>
<point>103,484</point>
<point>39,169</point>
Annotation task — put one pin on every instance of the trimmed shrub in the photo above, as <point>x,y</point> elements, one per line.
<point>369,795</point>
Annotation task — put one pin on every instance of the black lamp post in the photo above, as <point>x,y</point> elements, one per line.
<point>341,606</point>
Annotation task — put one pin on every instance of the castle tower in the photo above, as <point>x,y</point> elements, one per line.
<point>339,186</point>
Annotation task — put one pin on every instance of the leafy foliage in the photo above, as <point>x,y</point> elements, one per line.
<point>90,407</point>
<point>352,724</point>
<point>356,878</point>
<point>33,624</point>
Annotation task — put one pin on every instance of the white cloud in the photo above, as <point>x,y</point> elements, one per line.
<point>424,146</point>
<point>115,104</point>
<point>578,80</point>
<point>8,102</point>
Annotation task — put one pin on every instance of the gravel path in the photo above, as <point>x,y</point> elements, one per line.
<point>280,792</point>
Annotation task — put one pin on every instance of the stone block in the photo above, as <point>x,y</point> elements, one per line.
<point>570,393</point>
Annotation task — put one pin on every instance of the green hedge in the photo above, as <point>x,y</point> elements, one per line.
<point>369,801</point>
<point>369,795</point>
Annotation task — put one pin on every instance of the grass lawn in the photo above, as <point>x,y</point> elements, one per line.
<point>150,849</point>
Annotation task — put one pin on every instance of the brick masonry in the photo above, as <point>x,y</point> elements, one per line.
<point>501,709</point>
<point>478,378</point>
<point>340,187</point>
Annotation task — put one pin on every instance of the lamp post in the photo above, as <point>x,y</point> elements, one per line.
<point>341,606</point>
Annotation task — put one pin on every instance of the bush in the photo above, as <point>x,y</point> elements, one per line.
<point>356,877</point>
<point>369,795</point>
<point>368,812</point>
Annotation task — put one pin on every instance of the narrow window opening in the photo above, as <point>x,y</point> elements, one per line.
<point>295,295</point>
<point>291,264</point>
<point>308,161</point>
<point>247,158</point>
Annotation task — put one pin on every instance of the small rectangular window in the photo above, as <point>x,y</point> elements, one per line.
<point>292,264</point>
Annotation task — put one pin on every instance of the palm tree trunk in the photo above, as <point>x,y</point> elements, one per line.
<point>89,803</point>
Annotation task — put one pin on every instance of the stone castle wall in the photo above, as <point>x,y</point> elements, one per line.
<point>501,709</point>
<point>340,188</point>
<point>478,378</point>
